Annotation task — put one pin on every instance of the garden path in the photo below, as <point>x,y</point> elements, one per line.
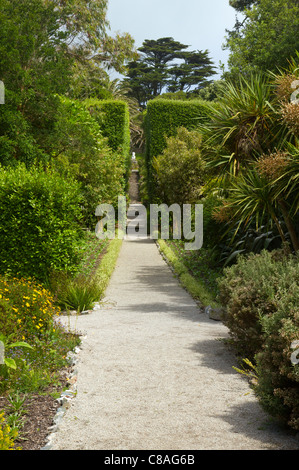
<point>153,372</point>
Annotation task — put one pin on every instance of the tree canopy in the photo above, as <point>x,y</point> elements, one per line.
<point>165,66</point>
<point>47,48</point>
<point>266,39</point>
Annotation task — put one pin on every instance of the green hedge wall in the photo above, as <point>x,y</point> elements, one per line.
<point>40,228</point>
<point>114,119</point>
<point>162,119</point>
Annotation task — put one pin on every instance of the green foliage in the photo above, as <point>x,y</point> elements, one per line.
<point>165,65</point>
<point>17,142</point>
<point>79,292</point>
<point>242,125</point>
<point>8,361</point>
<point>164,117</point>
<point>278,383</point>
<point>35,344</point>
<point>80,151</point>
<point>46,47</point>
<point>114,120</point>
<point>39,222</point>
<point>267,39</point>
<point>179,171</point>
<point>201,286</point>
<point>250,290</point>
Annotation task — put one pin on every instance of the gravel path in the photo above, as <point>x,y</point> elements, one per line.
<point>153,372</point>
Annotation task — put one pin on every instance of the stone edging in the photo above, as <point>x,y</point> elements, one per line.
<point>65,397</point>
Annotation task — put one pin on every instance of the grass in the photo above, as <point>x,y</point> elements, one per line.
<point>193,271</point>
<point>81,292</point>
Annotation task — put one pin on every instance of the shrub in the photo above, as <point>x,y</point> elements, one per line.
<point>17,143</point>
<point>81,151</point>
<point>180,170</point>
<point>39,222</point>
<point>278,383</point>
<point>261,295</point>
<point>114,120</point>
<point>162,119</point>
<point>26,308</point>
<point>251,290</point>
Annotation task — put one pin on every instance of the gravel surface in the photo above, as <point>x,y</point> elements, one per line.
<point>154,373</point>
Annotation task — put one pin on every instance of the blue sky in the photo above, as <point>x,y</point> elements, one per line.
<point>199,23</point>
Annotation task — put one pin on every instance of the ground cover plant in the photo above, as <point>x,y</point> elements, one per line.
<point>35,349</point>
<point>36,345</point>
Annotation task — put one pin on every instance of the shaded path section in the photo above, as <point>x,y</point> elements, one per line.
<point>153,372</point>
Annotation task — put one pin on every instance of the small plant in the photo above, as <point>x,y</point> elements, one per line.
<point>7,435</point>
<point>80,294</point>
<point>250,370</point>
<point>8,361</point>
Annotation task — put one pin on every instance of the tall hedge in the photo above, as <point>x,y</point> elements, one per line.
<point>162,120</point>
<point>39,222</point>
<point>114,119</point>
<point>164,117</point>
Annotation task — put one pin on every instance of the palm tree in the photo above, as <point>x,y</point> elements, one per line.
<point>243,124</point>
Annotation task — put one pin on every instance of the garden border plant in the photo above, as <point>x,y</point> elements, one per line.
<point>197,289</point>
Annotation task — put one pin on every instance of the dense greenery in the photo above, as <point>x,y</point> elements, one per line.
<point>265,38</point>
<point>164,117</point>
<point>261,293</point>
<point>66,134</point>
<point>114,120</point>
<point>179,172</point>
<point>39,228</point>
<point>57,165</point>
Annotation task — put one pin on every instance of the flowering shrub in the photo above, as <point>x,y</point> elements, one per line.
<point>7,435</point>
<point>26,308</point>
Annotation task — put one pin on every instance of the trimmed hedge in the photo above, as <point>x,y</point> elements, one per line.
<point>39,223</point>
<point>114,119</point>
<point>162,119</point>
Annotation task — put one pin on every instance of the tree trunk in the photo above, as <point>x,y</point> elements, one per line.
<point>289,224</point>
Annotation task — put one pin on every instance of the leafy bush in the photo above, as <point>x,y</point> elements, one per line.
<point>261,296</point>
<point>162,119</point>
<point>180,170</point>
<point>39,222</point>
<point>81,151</point>
<point>17,143</point>
<point>79,293</point>
<point>250,290</point>
<point>278,383</point>
<point>26,308</point>
<point>114,120</point>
